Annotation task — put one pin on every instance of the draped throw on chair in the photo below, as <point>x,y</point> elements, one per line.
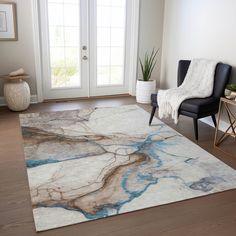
<point>198,108</point>
<point>199,83</point>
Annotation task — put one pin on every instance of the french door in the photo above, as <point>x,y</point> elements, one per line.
<point>85,47</point>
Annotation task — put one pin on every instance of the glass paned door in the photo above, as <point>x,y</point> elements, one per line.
<point>108,47</point>
<point>64,34</point>
<point>84,46</point>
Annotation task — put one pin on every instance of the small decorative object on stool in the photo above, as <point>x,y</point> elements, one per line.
<point>16,90</point>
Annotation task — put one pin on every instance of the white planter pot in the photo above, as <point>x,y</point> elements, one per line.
<point>144,89</point>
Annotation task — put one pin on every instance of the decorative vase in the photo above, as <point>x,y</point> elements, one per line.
<point>144,89</point>
<point>17,95</point>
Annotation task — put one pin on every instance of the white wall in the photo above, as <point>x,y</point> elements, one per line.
<point>197,29</point>
<point>14,55</point>
<point>151,31</point>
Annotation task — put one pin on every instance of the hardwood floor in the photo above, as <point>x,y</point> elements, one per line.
<point>211,215</point>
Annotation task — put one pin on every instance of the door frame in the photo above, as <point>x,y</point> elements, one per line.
<point>133,50</point>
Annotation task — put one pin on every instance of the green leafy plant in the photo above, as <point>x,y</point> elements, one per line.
<point>231,87</point>
<point>148,64</point>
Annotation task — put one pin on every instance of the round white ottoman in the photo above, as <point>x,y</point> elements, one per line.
<point>17,94</point>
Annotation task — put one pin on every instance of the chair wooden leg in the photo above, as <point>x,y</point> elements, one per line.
<point>214,120</point>
<point>152,114</point>
<point>195,123</point>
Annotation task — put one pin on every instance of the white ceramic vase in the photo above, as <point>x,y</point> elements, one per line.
<point>144,89</point>
<point>17,95</point>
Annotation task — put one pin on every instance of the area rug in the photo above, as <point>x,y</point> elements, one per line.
<point>89,164</point>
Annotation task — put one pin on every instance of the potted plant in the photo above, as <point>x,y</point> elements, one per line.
<point>230,90</point>
<point>146,86</point>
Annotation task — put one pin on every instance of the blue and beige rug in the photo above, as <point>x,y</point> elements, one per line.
<point>89,164</point>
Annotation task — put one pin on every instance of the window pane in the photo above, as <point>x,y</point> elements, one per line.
<point>117,75</point>
<point>111,18</point>
<point>120,3</point>
<point>71,16</point>
<point>117,37</point>
<point>72,1</point>
<point>103,75</point>
<point>55,1</point>
<point>117,17</point>
<point>57,56</point>
<point>103,37</point>
<point>103,56</point>
<point>55,13</point>
<point>117,56</point>
<point>72,37</point>
<point>103,16</point>
<point>58,76</point>
<point>72,57</point>
<point>64,31</point>
<point>56,36</point>
<point>72,75</point>
<point>104,2</point>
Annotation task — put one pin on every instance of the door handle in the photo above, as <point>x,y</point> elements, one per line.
<point>84,48</point>
<point>85,58</point>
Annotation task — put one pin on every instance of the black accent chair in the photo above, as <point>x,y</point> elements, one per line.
<point>198,108</point>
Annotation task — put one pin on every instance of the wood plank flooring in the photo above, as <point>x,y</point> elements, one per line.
<point>213,215</point>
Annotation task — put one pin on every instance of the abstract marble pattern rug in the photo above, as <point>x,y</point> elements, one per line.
<point>88,164</point>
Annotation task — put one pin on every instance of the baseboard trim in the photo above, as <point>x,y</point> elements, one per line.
<point>86,98</point>
<point>223,125</point>
<point>33,100</point>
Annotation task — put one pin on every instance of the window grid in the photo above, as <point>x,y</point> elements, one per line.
<point>67,70</point>
<point>110,46</point>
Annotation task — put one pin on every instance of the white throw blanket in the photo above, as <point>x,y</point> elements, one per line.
<point>198,83</point>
